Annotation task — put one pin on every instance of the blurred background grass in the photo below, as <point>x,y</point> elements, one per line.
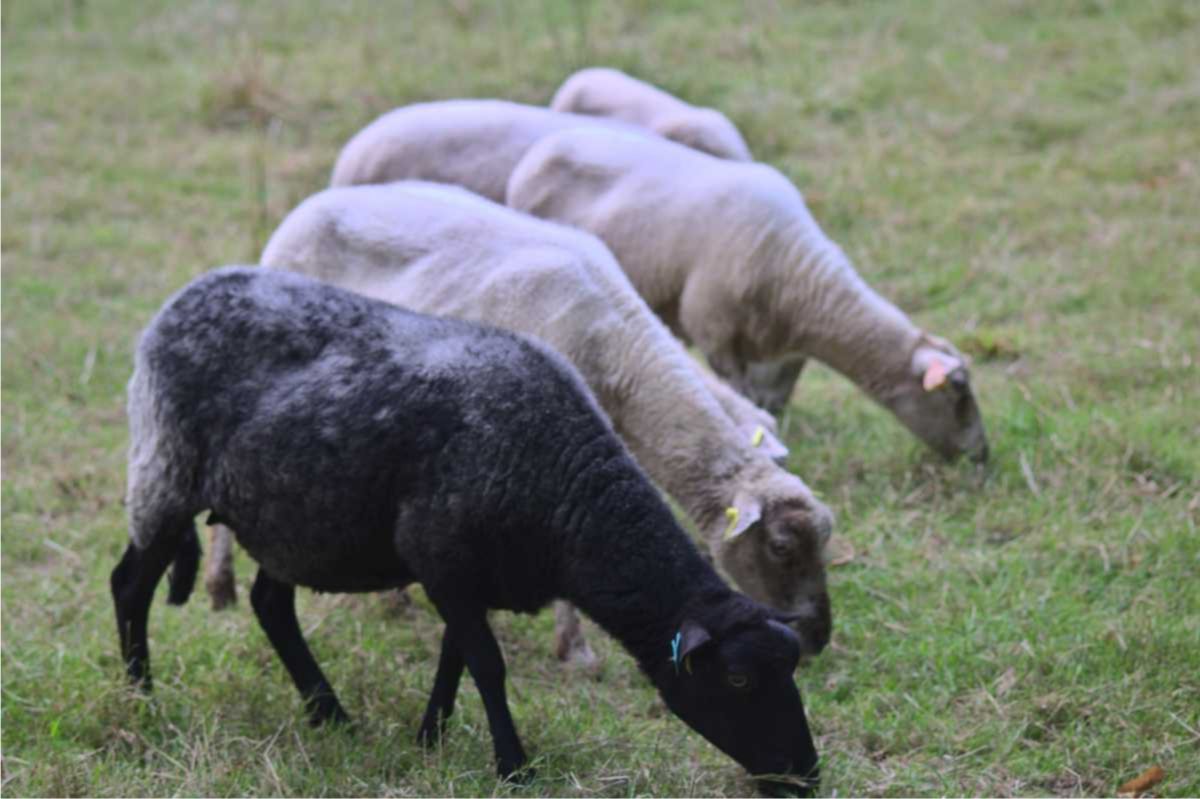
<point>1022,177</point>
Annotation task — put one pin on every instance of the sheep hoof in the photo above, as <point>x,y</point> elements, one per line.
<point>326,712</point>
<point>431,732</point>
<point>429,737</point>
<point>222,591</point>
<point>580,658</point>
<point>517,774</point>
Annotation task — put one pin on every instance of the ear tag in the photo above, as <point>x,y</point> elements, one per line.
<point>675,651</point>
<point>731,513</point>
<point>687,664</point>
<point>935,376</point>
<point>757,438</point>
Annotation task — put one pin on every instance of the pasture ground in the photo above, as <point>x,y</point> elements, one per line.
<point>1022,177</point>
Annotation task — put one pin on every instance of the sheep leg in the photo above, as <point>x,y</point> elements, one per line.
<point>728,366</point>
<point>133,582</point>
<point>771,383</point>
<point>218,572</point>
<point>569,644</point>
<point>274,604</point>
<point>484,660</point>
<point>445,689</point>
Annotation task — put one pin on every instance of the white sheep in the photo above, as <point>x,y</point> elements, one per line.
<point>729,256</point>
<point>605,92</point>
<point>442,250</point>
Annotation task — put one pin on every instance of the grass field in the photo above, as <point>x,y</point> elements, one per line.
<point>1021,177</point>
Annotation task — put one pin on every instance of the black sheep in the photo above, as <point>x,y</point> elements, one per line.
<point>355,446</point>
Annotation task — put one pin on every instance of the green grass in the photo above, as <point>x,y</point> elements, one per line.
<point>1022,177</point>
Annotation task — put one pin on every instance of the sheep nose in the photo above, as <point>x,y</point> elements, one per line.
<point>815,626</point>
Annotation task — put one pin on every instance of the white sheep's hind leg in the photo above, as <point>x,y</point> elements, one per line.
<point>569,644</point>
<point>218,570</point>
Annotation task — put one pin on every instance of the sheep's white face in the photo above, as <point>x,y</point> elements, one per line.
<point>936,403</point>
<point>774,552</point>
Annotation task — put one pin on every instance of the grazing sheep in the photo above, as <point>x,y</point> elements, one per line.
<point>356,446</point>
<point>605,92</point>
<point>728,254</point>
<point>474,143</point>
<point>442,250</point>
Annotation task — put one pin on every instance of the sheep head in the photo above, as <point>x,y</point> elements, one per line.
<point>770,544</point>
<point>727,673</point>
<point>935,401</point>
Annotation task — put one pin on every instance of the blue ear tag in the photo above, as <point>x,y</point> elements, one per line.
<point>675,651</point>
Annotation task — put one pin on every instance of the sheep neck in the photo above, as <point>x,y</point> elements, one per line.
<point>675,428</point>
<point>827,311</point>
<point>634,577</point>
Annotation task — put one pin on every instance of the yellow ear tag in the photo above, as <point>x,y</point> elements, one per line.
<point>687,664</point>
<point>731,513</point>
<point>935,376</point>
<point>757,438</point>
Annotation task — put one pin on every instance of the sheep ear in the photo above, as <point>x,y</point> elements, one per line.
<point>766,442</point>
<point>935,375</point>
<point>692,636</point>
<point>933,367</point>
<point>780,623</point>
<point>741,516</point>
<point>935,362</point>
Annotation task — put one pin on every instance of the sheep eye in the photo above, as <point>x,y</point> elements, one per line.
<point>738,681</point>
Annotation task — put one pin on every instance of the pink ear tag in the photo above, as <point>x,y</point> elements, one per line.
<point>935,375</point>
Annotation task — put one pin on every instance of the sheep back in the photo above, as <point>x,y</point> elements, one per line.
<point>606,92</point>
<point>470,143</point>
<point>354,445</point>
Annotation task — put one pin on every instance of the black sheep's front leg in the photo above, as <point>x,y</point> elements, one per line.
<point>474,640</point>
<point>445,689</point>
<point>274,604</point>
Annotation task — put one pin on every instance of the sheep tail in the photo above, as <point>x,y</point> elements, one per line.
<point>182,577</point>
